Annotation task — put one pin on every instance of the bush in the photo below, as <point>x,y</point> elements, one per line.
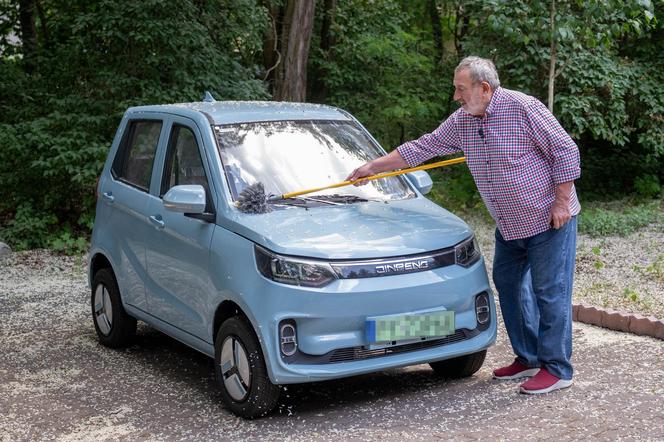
<point>647,186</point>
<point>57,123</point>
<point>618,217</point>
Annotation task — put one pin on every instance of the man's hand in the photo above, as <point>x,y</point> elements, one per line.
<point>560,213</point>
<point>362,171</point>
<point>391,161</point>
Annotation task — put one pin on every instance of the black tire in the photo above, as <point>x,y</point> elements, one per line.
<point>119,329</point>
<point>245,386</point>
<point>460,367</point>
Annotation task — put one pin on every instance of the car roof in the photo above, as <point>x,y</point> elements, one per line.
<point>228,112</point>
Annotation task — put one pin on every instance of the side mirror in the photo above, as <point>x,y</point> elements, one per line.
<point>186,198</point>
<point>421,180</point>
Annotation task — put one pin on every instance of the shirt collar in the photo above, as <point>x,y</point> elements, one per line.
<point>497,94</point>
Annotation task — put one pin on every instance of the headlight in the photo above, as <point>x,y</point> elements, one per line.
<point>295,271</point>
<point>467,252</point>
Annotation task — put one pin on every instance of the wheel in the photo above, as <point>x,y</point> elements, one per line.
<point>241,372</point>
<point>460,367</point>
<point>115,328</point>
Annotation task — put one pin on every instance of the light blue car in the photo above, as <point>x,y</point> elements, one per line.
<point>323,286</point>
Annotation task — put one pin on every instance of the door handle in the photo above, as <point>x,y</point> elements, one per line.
<point>157,221</point>
<point>108,196</point>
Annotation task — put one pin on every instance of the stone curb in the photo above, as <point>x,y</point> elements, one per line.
<point>619,321</point>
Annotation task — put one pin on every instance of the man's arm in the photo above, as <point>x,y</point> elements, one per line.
<point>563,156</point>
<point>442,141</point>
<point>560,212</point>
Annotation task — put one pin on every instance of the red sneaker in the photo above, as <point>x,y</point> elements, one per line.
<point>514,371</point>
<point>544,382</point>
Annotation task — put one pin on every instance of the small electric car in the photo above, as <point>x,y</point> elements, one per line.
<point>336,283</point>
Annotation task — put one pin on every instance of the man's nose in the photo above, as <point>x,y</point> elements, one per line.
<point>457,96</point>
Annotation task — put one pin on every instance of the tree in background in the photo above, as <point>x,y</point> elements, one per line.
<point>385,74</point>
<point>63,94</point>
<point>578,56</point>
<point>286,47</point>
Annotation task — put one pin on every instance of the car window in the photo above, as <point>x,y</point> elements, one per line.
<point>183,162</point>
<point>134,161</point>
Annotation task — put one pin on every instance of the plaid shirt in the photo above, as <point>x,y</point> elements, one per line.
<point>517,153</point>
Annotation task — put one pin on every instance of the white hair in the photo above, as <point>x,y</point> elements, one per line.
<point>481,69</point>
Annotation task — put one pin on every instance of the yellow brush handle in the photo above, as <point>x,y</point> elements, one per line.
<point>377,176</point>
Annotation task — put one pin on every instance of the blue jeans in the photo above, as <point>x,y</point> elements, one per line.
<point>534,279</point>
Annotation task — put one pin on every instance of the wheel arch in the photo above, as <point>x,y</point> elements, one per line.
<point>228,309</point>
<point>98,262</point>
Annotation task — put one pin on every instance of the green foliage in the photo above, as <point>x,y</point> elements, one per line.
<point>29,228</point>
<point>384,73</point>
<point>648,186</point>
<point>609,87</point>
<point>631,294</point>
<point>65,243</point>
<point>455,189</point>
<point>618,218</point>
<point>95,60</point>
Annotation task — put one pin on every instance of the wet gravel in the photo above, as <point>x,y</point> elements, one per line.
<point>58,383</point>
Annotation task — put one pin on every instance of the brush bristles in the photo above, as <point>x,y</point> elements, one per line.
<point>253,199</point>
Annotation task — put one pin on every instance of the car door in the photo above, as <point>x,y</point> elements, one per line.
<point>124,201</point>
<point>178,246</point>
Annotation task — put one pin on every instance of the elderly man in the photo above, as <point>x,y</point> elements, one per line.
<point>524,165</point>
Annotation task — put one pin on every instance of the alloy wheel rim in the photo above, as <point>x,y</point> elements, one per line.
<point>103,309</point>
<point>235,369</point>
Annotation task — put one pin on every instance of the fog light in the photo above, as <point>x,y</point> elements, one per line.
<point>287,338</point>
<point>482,310</point>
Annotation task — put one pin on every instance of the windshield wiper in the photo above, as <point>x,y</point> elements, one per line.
<point>301,201</point>
<point>343,199</point>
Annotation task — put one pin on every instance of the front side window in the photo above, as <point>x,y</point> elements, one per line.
<point>288,156</point>
<point>183,162</point>
<point>134,161</point>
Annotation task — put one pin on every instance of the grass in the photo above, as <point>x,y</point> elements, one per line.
<point>621,217</point>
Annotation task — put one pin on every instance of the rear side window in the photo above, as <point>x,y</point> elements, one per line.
<point>135,158</point>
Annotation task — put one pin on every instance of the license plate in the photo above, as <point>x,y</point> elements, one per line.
<point>408,327</point>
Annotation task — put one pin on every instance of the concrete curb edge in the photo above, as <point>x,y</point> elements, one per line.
<point>619,321</point>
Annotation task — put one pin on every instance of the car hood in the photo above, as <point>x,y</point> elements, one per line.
<point>354,231</point>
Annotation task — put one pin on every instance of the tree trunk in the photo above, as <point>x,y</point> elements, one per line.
<point>437,30</point>
<point>552,61</point>
<point>317,89</point>
<point>462,23</point>
<point>291,79</point>
<point>271,54</point>
<point>27,10</point>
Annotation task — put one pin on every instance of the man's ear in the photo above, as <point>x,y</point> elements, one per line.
<point>486,87</point>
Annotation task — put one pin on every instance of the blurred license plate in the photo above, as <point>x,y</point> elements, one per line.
<point>407,327</point>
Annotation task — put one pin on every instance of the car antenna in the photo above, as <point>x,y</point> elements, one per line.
<point>254,200</point>
<point>208,98</point>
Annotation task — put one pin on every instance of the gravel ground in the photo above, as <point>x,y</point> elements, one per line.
<point>58,383</point>
<point>621,273</point>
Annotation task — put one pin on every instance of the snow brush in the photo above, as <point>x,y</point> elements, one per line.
<point>254,200</point>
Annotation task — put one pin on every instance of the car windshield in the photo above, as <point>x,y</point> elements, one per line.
<point>289,156</point>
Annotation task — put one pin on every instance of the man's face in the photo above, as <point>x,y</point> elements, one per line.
<point>473,98</point>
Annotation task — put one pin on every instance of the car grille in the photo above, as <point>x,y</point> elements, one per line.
<point>350,354</point>
<point>358,353</point>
